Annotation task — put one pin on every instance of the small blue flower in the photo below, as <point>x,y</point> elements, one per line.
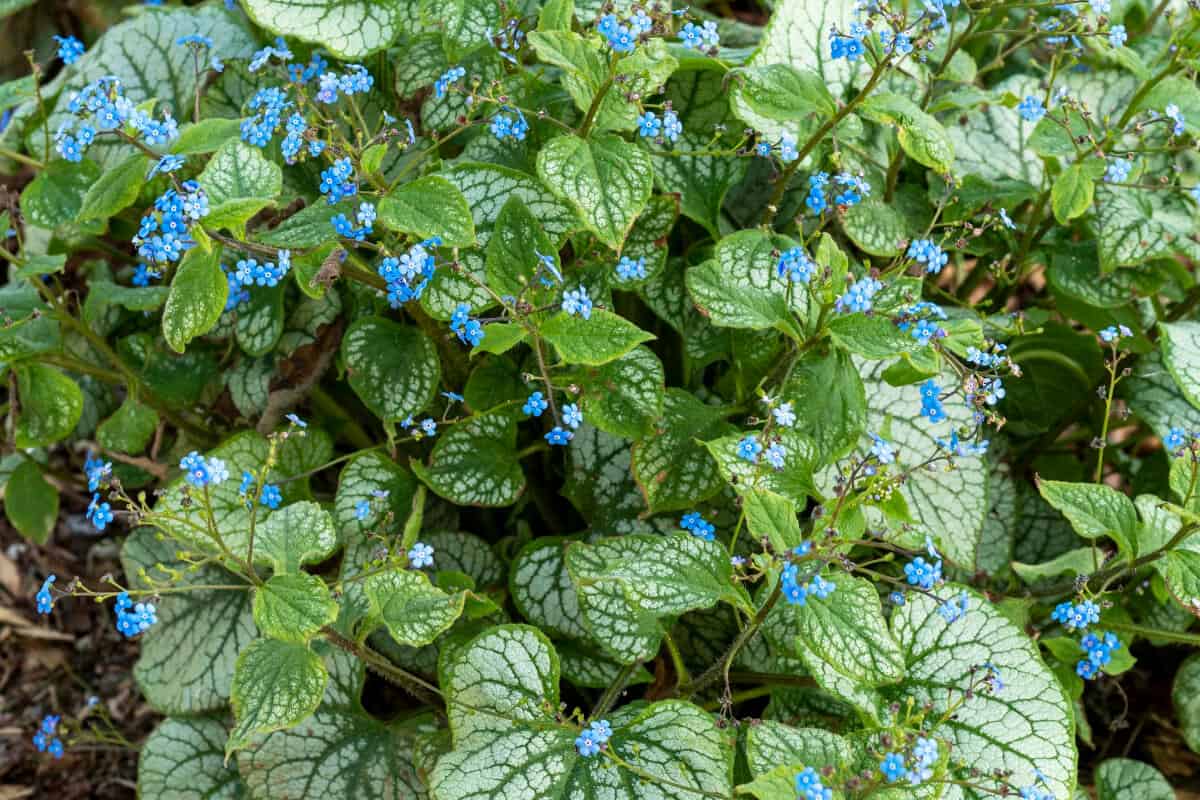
<point>45,600</point>
<point>897,598</point>
<point>784,415</point>
<point>577,302</point>
<point>1118,170</point>
<point>362,510</point>
<point>271,496</point>
<point>558,436</point>
<point>920,572</point>
<point>1117,36</point>
<point>535,405</point>
<point>748,449</point>
<point>99,513</point>
<point>649,125</point>
<point>429,426</point>
<point>1176,440</point>
<point>954,609</point>
<point>421,555</point>
<point>69,48</point>
<point>1031,109</point>
<point>672,127</point>
<point>195,469</point>
<point>572,416</point>
<point>776,455</point>
<point>892,767</point>
<point>630,270</point>
<point>1175,115</point>
<point>586,744</point>
<point>698,526</point>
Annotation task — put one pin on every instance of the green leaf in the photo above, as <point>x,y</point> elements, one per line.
<point>500,337</point>
<point>15,92</point>
<point>309,227</point>
<point>602,338</point>
<point>794,481</point>
<point>260,320</point>
<point>798,35</point>
<point>1079,561</point>
<point>627,585</point>
<point>876,228</point>
<point>184,757</point>
<point>513,253</point>
<point>578,57</point>
<point>197,299</point>
<point>1126,779</point>
<point>361,477</point>
<point>130,429</point>
<point>414,611</point>
<point>51,404</point>
<point>772,517</point>
<point>1071,194</point>
<point>741,287</point>
<point>700,181</point>
<point>1180,344</point>
<point>1136,225</point>
<point>921,136</point>
<point>604,177</point>
<point>293,608</point>
<point>31,329</point>
<point>186,661</point>
<point>240,182</point>
<point>427,207</point>
<point>276,685</point>
<point>502,697</point>
<point>872,337</point>
<point>205,136</point>
<point>394,369</point>
<point>467,25</point>
<point>1025,729</point>
<point>55,196</point>
<point>625,396</point>
<point>542,589</point>
<point>672,467</point>
<point>1185,694</point>
<point>115,190</point>
<point>829,401</point>
<point>1181,571</point>
<point>556,15</point>
<point>770,744</point>
<point>783,93</point>
<point>1094,510</point>
<point>475,462</point>
<point>991,141</point>
<point>30,502</point>
<point>295,535</point>
<point>348,29</point>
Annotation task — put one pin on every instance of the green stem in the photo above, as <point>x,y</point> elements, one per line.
<point>613,692</point>
<point>1175,637</point>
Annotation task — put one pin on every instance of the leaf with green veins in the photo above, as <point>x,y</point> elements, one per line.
<point>414,611</point>
<point>829,401</point>
<point>30,502</point>
<point>848,631</point>
<point>627,585</point>
<point>276,685</point>
<point>1080,561</point>
<point>184,757</point>
<point>624,397</point>
<point>394,369</point>
<point>637,74</point>
<point>992,141</point>
<point>794,481</point>
<point>605,178</point>
<point>309,227</point>
<point>500,337</point>
<point>205,136</point>
<point>872,337</point>
<point>197,299</point>
<point>921,136</point>
<point>1094,510</point>
<point>587,667</point>
<point>502,694</point>
<point>672,467</point>
<point>600,483</point>
<point>1181,571</point>
<point>578,57</point>
<point>260,320</point>
<point>1185,695</point>
<point>467,25</point>
<point>468,554</point>
<point>772,517</point>
<point>115,190</point>
<point>770,744</point>
<point>102,295</point>
<point>55,196</point>
<point>798,35</point>
<point>876,228</point>
<point>782,92</point>
<point>515,250</point>
<point>1072,193</point>
<point>249,383</point>
<point>1126,779</point>
<point>428,207</point>
<point>187,659</point>
<point>348,29</point>
<point>475,463</point>
<point>1156,398</point>
<point>603,337</point>
<point>295,535</point>
<point>1025,729</point>
<point>741,287</point>
<point>50,402</point>
<point>542,589</point>
<point>362,476</point>
<point>31,329</point>
<point>130,429</point>
<point>1180,345</point>
<point>293,608</point>
<point>240,182</point>
<point>1135,225</point>
<point>700,181</point>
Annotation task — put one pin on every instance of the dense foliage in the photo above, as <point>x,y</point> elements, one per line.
<point>638,402</point>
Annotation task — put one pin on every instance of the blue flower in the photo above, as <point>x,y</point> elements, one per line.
<point>1176,440</point>
<point>649,125</point>
<point>97,472</point>
<point>452,75</point>
<point>929,253</point>
<point>429,427</point>
<point>846,47</point>
<point>954,609</point>
<point>931,404</point>
<point>1118,170</point>
<point>578,302</point>
<point>672,127</point>
<point>1117,36</point>
<point>882,450</point>
<point>748,449</point>
<point>630,270</point>
<point>468,330</point>
<point>558,436</point>
<point>892,767</point>
<point>796,265</point>
<point>858,296</point>
<point>692,521</point>
<point>776,455</point>
<point>133,619</point>
<point>99,513</point>
<point>586,744</point>
<point>787,150</point>
<point>362,510</point>
<point>535,405</point>
<point>897,598</point>
<point>763,149</point>
<point>1031,109</point>
<point>165,165</point>
<point>195,469</point>
<point>271,496</point>
<point>920,572</point>
<point>45,600</point>
<point>809,786</point>
<point>44,740</point>
<point>572,416</point>
<point>69,48</point>
<point>601,730</point>
<point>784,415</point>
<point>1175,115</point>
<point>421,555</point>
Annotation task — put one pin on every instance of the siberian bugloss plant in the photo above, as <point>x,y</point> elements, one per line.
<point>556,400</point>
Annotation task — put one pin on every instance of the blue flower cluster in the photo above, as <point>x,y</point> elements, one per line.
<point>357,80</point>
<point>409,275</point>
<point>100,514</point>
<point>468,330</point>
<point>622,38</point>
<point>577,303</point>
<point>69,48</point>
<point>922,573</point>
<point>931,403</point>
<point>270,496</point>
<point>1076,617</point>
<point>337,181</point>
<point>858,296</point>
<point>918,320</point>
<point>954,609</point>
<point>796,265</point>
<point>510,126</point>
<point>1114,333</point>
<point>1098,649</point>
<point>1031,109</point>
<point>810,787</point>
<point>698,526</point>
<point>629,269</point>
<point>96,471</point>
<point>592,739</point>
<point>200,471</point>
<point>133,619</point>
<point>1178,441</point>
<point>45,739</point>
<point>853,190</point>
<point>163,235</point>
<point>962,448</point>
<point>929,253</point>
<point>452,75</point>
<point>895,42</point>
<point>694,36</point>
<point>849,47</point>
<point>917,768</point>
<point>249,272</point>
<point>668,126</point>
<point>797,593</point>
